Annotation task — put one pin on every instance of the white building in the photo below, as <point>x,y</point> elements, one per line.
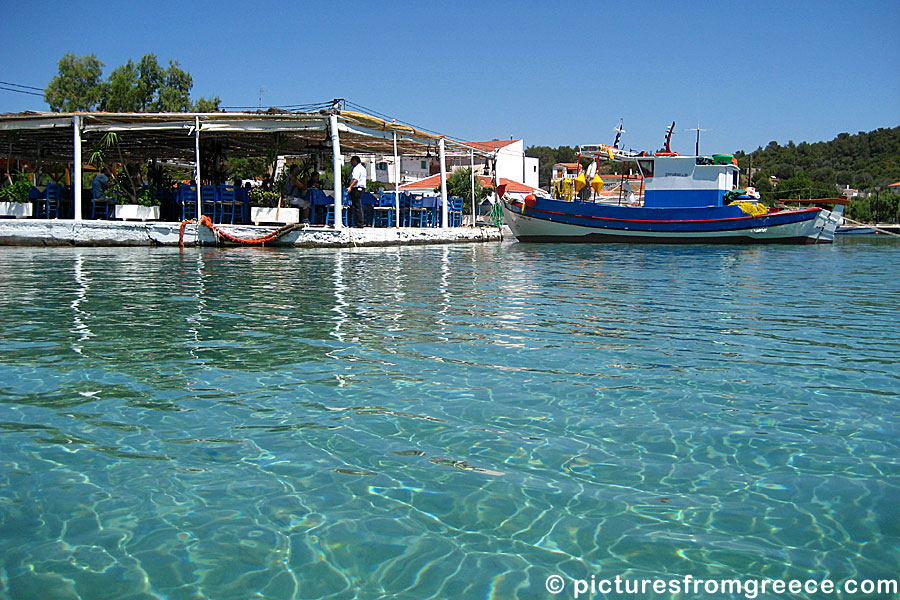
<point>509,163</point>
<point>412,168</point>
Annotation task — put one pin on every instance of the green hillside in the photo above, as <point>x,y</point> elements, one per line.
<point>863,161</point>
<point>867,161</point>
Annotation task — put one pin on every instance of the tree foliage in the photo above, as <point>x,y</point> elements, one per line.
<point>881,207</point>
<point>253,167</point>
<point>145,86</point>
<point>78,86</point>
<point>548,157</point>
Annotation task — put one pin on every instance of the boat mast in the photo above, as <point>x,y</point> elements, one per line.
<point>698,130</point>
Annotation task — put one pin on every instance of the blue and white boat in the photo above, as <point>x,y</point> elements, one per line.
<point>673,199</point>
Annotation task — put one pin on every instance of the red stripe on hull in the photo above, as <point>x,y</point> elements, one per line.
<point>744,218</point>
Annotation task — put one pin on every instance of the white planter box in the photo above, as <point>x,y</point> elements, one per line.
<point>137,212</point>
<point>19,210</point>
<point>265,214</point>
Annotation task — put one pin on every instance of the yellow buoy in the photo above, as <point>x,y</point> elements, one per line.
<point>596,184</point>
<point>580,182</point>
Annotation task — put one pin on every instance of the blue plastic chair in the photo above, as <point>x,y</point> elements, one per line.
<point>242,202</point>
<point>48,204</point>
<point>226,204</point>
<point>345,210</point>
<point>187,197</point>
<point>383,212</point>
<point>208,196</point>
<point>418,214</point>
<point>101,208</point>
<point>455,213</point>
<point>404,209</point>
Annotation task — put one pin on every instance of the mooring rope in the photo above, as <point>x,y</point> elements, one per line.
<point>220,233</point>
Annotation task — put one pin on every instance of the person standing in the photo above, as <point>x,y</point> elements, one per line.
<point>355,190</point>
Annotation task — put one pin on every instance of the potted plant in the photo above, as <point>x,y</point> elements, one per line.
<point>14,201</point>
<point>145,206</point>
<point>265,207</point>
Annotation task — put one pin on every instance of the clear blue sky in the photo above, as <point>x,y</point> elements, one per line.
<point>549,72</point>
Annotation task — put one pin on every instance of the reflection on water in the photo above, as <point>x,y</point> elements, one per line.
<point>450,421</point>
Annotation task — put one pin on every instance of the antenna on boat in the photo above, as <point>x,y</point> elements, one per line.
<point>619,131</point>
<point>698,130</point>
<point>669,137</point>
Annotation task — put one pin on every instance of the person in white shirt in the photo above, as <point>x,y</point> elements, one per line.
<point>355,190</point>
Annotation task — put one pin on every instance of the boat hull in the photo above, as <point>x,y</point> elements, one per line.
<point>560,221</point>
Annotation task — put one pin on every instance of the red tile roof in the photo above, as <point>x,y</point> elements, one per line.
<point>567,165</point>
<point>429,183</point>
<point>895,184</point>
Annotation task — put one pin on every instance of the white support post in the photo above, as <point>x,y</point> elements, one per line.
<point>197,165</point>
<point>396,183</point>
<point>472,171</point>
<point>76,166</point>
<point>496,175</point>
<point>336,165</point>
<point>443,183</point>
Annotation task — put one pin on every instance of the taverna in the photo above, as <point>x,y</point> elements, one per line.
<point>66,213</point>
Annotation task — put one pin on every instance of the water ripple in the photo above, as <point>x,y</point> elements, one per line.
<point>444,421</point>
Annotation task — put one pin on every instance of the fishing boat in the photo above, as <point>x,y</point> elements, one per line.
<point>670,199</point>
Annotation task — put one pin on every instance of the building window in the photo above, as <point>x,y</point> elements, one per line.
<point>423,165</point>
<point>382,166</point>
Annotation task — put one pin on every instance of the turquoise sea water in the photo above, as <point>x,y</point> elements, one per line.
<point>445,422</point>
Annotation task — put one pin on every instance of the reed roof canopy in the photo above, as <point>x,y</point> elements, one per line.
<point>170,136</point>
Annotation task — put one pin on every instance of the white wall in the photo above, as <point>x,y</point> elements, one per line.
<point>511,164</point>
<point>531,171</point>
<point>410,169</point>
<point>509,161</point>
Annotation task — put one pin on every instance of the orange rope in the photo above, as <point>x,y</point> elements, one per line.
<point>205,220</point>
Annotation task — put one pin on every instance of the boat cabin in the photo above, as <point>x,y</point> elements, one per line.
<point>687,181</point>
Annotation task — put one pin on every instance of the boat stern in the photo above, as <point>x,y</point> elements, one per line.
<point>827,223</point>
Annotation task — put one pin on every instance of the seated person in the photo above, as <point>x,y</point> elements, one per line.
<point>99,185</point>
<point>314,182</point>
<point>296,192</point>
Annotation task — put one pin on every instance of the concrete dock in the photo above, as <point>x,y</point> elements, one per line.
<point>55,232</point>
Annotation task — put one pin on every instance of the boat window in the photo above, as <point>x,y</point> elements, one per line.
<point>646,167</point>
<point>735,182</point>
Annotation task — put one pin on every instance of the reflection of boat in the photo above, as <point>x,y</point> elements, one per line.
<point>679,199</point>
